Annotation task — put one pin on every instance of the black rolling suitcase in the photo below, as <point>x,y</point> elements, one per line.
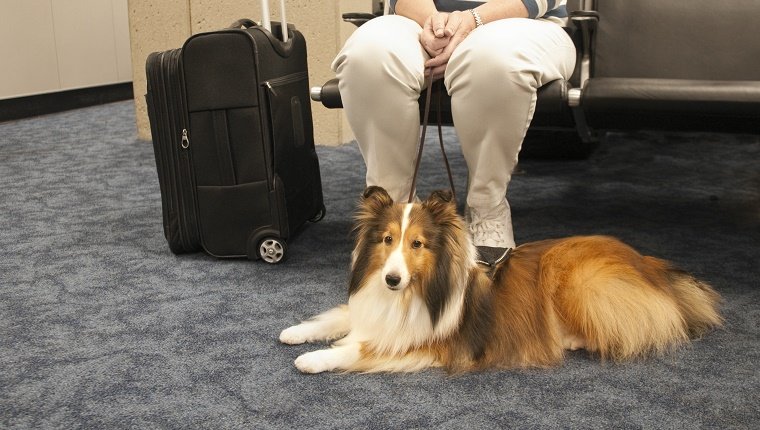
<point>232,133</point>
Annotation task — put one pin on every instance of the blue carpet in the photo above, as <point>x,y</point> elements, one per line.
<point>102,327</point>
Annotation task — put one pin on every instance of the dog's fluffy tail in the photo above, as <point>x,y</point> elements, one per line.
<point>626,310</point>
<point>697,301</point>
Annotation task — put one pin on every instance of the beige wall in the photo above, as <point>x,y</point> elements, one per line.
<point>53,45</point>
<point>160,25</point>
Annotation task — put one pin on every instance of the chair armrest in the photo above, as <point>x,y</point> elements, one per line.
<point>328,94</point>
<point>580,14</point>
<point>358,18</point>
<point>586,21</point>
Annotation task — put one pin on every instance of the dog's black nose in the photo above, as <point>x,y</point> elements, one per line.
<point>392,279</point>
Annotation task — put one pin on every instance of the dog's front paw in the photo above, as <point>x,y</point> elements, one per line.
<point>315,362</point>
<point>294,335</point>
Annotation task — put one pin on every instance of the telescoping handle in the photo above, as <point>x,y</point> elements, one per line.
<point>284,26</point>
<point>267,23</point>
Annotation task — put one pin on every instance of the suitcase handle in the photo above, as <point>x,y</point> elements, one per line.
<point>265,22</point>
<point>244,22</point>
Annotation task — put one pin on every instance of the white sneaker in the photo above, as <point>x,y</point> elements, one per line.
<point>491,231</point>
<point>491,227</point>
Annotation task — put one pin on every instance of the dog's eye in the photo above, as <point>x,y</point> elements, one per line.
<point>388,240</point>
<point>416,244</point>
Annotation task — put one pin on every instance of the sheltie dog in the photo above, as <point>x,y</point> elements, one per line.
<point>418,299</point>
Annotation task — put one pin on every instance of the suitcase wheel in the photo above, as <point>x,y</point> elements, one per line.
<point>319,215</point>
<point>272,250</point>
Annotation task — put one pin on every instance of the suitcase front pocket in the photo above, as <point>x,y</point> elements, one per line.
<point>295,160</point>
<point>289,113</point>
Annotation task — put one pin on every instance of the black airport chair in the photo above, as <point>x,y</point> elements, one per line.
<point>642,64</point>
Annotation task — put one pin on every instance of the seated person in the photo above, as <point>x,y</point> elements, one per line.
<point>492,56</point>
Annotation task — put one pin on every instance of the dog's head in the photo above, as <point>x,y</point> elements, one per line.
<point>413,248</point>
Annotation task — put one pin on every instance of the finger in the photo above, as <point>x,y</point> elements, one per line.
<point>427,29</point>
<point>444,56</point>
<point>439,60</point>
<point>434,62</point>
<point>452,24</point>
<point>431,44</point>
<point>437,44</point>
<point>427,37</point>
<point>428,26</point>
<point>438,21</point>
<point>433,53</point>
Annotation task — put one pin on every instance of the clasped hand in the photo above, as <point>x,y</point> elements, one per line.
<point>440,36</point>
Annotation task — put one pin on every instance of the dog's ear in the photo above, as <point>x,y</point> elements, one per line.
<point>375,199</point>
<point>443,196</point>
<point>373,191</point>
<point>441,202</point>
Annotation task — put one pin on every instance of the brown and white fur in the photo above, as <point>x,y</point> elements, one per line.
<point>418,299</point>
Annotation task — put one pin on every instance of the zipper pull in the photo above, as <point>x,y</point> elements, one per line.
<point>269,85</point>
<point>185,140</point>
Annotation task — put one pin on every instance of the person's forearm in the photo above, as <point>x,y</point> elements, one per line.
<point>500,9</point>
<point>493,10</point>
<point>417,10</point>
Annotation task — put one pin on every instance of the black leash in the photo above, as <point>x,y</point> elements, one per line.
<point>425,116</point>
<point>429,85</point>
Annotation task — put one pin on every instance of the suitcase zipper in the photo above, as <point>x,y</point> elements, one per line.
<point>185,140</point>
<point>188,202</point>
<point>187,207</point>
<point>283,80</point>
<point>173,89</point>
<point>269,85</point>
